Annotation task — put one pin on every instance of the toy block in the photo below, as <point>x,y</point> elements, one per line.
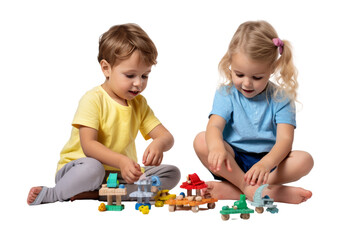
<point>115,207</point>
<point>109,200</point>
<point>112,181</point>
<point>120,191</point>
<point>118,200</point>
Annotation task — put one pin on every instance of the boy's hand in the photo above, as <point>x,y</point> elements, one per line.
<point>258,174</point>
<point>217,157</point>
<point>130,170</point>
<point>153,154</point>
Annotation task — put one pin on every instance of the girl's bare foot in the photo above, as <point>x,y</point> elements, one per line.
<point>33,193</point>
<point>281,193</point>
<point>287,194</point>
<point>222,190</point>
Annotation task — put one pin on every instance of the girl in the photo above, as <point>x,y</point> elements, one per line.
<point>248,139</point>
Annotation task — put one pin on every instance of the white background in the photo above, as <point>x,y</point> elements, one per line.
<point>48,60</point>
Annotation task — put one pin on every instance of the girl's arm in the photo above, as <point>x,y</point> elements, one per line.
<point>130,170</point>
<point>162,142</point>
<point>259,173</point>
<point>215,143</point>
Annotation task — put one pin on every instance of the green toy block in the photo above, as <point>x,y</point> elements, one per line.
<point>115,207</point>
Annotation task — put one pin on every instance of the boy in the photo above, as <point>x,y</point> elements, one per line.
<point>107,121</point>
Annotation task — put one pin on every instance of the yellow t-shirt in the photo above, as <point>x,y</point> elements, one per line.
<point>117,125</point>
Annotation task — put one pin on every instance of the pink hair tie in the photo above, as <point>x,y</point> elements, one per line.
<point>279,44</point>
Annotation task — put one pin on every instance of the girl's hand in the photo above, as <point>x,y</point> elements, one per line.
<point>153,154</point>
<point>130,170</point>
<point>258,174</point>
<point>217,157</point>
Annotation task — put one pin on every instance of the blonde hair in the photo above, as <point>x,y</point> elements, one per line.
<point>254,39</point>
<point>120,41</point>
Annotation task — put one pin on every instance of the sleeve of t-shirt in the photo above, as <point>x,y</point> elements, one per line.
<point>285,113</point>
<point>87,113</point>
<point>148,119</point>
<point>222,105</point>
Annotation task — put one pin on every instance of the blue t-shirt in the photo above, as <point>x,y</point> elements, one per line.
<point>251,123</point>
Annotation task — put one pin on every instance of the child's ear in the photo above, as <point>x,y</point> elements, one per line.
<point>105,68</point>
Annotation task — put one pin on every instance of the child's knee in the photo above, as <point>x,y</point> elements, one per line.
<point>200,143</point>
<point>94,170</point>
<point>308,162</point>
<point>176,175</point>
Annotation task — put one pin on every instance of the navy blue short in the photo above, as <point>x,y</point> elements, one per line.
<point>245,161</point>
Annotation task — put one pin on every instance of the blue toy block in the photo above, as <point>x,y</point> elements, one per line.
<point>112,181</point>
<point>137,205</point>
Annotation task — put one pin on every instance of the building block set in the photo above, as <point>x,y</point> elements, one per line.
<point>191,201</point>
<point>147,186</point>
<point>112,188</point>
<point>150,187</point>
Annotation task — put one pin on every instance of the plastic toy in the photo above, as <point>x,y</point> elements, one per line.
<point>144,209</point>
<point>110,189</point>
<point>162,196</point>
<point>112,181</point>
<point>260,202</point>
<point>238,207</point>
<point>102,207</point>
<point>191,202</point>
<point>144,191</point>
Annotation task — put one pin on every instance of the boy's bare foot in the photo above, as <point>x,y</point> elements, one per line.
<point>222,190</point>
<point>33,193</point>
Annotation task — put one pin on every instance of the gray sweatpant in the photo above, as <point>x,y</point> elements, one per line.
<point>87,174</point>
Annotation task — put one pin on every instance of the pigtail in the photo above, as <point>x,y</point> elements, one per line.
<point>225,72</point>
<point>285,73</point>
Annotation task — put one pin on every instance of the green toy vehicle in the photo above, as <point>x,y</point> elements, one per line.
<point>239,207</point>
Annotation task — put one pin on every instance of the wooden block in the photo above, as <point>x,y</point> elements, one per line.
<point>118,200</point>
<point>120,191</point>
<point>109,200</point>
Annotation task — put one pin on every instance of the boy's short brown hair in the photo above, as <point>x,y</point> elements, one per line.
<point>120,41</point>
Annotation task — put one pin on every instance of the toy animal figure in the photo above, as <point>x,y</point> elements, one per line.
<point>260,202</point>
<point>238,207</point>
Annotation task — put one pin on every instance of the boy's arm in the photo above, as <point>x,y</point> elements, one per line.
<point>215,142</point>
<point>259,173</point>
<point>162,142</point>
<point>130,170</point>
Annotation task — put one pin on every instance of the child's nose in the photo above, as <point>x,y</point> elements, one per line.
<point>247,82</point>
<point>137,81</point>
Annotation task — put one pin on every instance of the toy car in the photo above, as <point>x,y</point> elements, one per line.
<point>191,202</point>
<point>238,207</point>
